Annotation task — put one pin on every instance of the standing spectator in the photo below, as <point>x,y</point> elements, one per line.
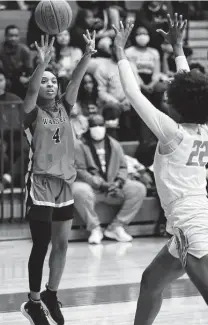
<point>16,61</point>
<point>102,177</point>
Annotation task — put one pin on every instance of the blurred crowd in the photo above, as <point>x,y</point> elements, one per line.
<point>100,93</point>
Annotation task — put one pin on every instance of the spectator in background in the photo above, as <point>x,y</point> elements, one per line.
<point>168,66</point>
<point>88,100</point>
<point>111,117</point>
<point>105,14</point>
<point>146,59</point>
<point>33,31</point>
<point>84,20</point>
<point>110,90</point>
<point>16,60</point>
<point>198,66</point>
<point>10,119</point>
<point>153,16</point>
<point>66,56</point>
<point>102,177</point>
<point>79,122</point>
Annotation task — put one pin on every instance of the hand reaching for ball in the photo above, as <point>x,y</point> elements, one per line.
<point>45,50</point>
<point>90,43</point>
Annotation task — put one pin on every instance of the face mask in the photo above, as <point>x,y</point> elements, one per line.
<point>97,133</point>
<point>142,40</point>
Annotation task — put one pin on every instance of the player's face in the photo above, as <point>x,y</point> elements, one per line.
<point>2,82</point>
<point>49,86</point>
<point>63,38</point>
<point>12,37</point>
<point>88,83</point>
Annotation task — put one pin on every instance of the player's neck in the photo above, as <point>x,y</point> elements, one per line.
<point>46,103</point>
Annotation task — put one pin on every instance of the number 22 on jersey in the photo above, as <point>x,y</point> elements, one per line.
<point>198,154</point>
<point>56,137</point>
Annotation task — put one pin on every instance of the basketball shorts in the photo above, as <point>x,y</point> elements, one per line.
<point>48,198</point>
<point>191,237</point>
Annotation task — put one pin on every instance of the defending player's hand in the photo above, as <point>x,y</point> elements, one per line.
<point>122,34</point>
<point>90,43</point>
<point>45,50</point>
<point>176,30</point>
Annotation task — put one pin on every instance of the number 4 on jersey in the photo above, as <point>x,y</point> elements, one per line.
<point>56,136</point>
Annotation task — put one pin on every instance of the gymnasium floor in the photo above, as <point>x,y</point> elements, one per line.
<point>100,285</point>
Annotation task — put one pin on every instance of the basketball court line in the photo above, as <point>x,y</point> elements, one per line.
<point>100,295</point>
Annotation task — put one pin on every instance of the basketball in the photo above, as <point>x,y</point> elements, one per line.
<point>53,16</point>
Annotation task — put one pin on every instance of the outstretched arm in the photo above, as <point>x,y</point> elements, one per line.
<point>175,38</point>
<point>78,74</point>
<point>44,54</point>
<point>161,125</point>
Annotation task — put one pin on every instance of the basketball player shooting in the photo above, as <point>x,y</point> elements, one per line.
<point>179,168</point>
<point>51,173</point>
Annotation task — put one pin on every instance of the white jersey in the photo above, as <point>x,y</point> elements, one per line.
<point>181,175</point>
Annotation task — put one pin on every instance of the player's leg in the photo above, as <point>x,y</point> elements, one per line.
<point>192,245</point>
<point>60,237</point>
<point>197,270</point>
<point>62,220</point>
<point>164,269</point>
<point>40,227</point>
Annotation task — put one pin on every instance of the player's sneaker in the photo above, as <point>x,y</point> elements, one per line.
<point>35,313</point>
<point>52,305</point>
<point>118,233</point>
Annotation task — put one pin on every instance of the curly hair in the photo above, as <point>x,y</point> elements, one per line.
<point>188,95</point>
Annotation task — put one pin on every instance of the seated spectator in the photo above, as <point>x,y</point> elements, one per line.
<point>66,56</point>
<point>79,122</point>
<point>88,100</point>
<point>10,118</point>
<point>84,20</point>
<point>168,65</point>
<point>102,177</point>
<point>198,66</point>
<point>110,90</point>
<point>16,61</point>
<point>33,31</point>
<point>106,14</point>
<point>146,59</point>
<point>153,16</point>
<point>14,174</point>
<point>6,96</point>
<point>111,117</point>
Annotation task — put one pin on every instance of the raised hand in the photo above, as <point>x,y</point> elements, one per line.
<point>90,43</point>
<point>122,34</point>
<point>176,30</point>
<point>45,50</point>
